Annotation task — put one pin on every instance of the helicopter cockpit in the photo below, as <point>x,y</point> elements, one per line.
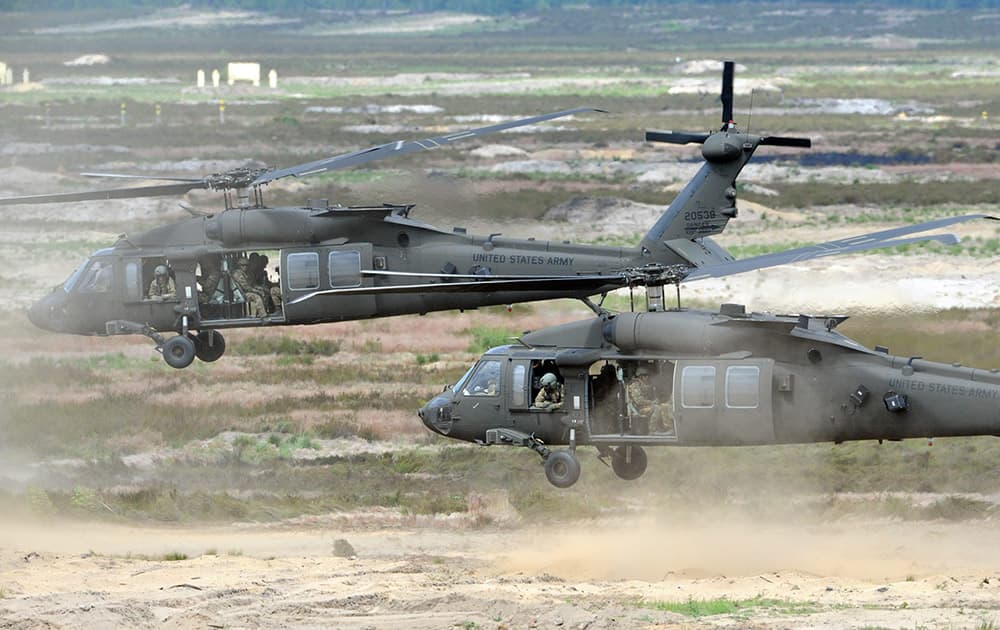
<point>58,310</point>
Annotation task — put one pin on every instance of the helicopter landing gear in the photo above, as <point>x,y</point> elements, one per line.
<point>562,468</point>
<point>178,351</point>
<point>209,345</point>
<point>629,461</point>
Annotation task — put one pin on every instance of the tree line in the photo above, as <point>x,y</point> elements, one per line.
<point>488,7</point>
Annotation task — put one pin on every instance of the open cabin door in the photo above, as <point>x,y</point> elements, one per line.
<point>724,402</point>
<point>308,269</point>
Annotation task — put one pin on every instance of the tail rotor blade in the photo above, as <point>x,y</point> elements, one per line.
<point>785,141</point>
<point>676,137</point>
<point>728,68</point>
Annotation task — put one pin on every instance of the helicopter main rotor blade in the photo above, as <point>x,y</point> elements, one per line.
<point>403,147</point>
<point>448,277</point>
<point>873,240</point>
<point>149,177</point>
<point>592,284</point>
<point>112,193</point>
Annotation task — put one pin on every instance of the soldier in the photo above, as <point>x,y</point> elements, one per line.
<point>241,278</point>
<point>271,289</point>
<point>550,396</point>
<point>211,275</point>
<point>162,287</point>
<point>643,404</point>
<point>255,268</point>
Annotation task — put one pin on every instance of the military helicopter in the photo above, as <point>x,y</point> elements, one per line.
<point>698,378</point>
<point>337,263</point>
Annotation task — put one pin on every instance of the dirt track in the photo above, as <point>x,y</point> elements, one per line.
<point>437,574</point>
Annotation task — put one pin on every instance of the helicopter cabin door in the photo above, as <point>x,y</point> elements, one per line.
<point>305,271</point>
<point>723,402</point>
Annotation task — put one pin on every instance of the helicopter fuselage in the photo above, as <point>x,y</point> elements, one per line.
<point>108,293</point>
<point>716,379</point>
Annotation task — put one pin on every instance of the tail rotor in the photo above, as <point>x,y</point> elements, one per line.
<point>728,123</point>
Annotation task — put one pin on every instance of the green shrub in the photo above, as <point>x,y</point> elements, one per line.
<point>486,337</point>
<point>286,345</point>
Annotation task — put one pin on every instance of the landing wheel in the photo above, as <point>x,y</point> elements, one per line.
<point>562,469</point>
<point>629,466</point>
<point>178,351</point>
<point>209,345</point>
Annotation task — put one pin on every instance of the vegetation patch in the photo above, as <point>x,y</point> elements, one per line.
<point>486,337</point>
<point>727,606</point>
<point>285,345</point>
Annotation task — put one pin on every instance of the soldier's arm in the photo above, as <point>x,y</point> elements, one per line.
<point>541,401</point>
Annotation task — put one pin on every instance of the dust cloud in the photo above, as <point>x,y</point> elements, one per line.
<point>657,548</point>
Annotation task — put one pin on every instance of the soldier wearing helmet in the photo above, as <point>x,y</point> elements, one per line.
<point>646,410</point>
<point>162,287</point>
<point>241,278</point>
<point>550,396</point>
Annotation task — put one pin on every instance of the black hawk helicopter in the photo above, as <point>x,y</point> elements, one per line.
<point>698,378</point>
<point>205,274</point>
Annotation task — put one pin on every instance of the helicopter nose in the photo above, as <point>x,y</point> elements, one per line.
<point>40,314</point>
<point>436,414</point>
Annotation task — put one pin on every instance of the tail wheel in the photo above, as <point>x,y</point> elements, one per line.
<point>627,465</point>
<point>209,345</point>
<point>562,469</point>
<point>178,351</point>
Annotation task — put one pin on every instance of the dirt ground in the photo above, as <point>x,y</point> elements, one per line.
<point>442,574</point>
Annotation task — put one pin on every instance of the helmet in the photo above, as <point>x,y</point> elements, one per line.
<point>548,380</point>
<point>160,271</point>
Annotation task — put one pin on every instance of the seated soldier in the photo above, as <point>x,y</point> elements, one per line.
<point>550,396</point>
<point>272,290</point>
<point>241,278</point>
<point>644,406</point>
<point>211,275</point>
<point>162,287</point>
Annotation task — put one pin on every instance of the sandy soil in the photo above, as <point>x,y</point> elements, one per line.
<point>441,574</point>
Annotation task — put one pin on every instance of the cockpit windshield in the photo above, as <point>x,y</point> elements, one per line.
<point>71,281</point>
<point>75,276</point>
<point>457,387</point>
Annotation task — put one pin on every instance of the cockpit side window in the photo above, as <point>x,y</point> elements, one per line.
<point>133,289</point>
<point>519,385</point>
<point>98,277</point>
<point>485,381</point>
